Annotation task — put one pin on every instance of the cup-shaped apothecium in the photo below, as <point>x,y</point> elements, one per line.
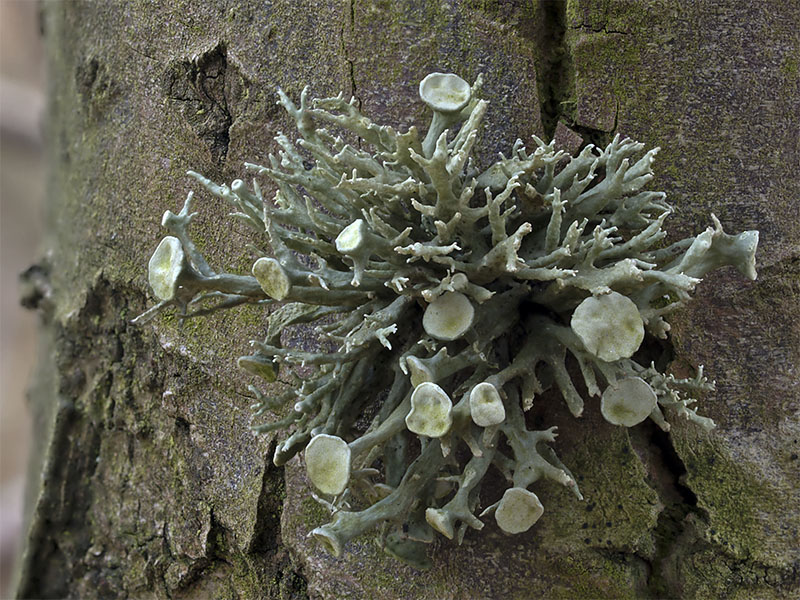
<point>445,92</point>
<point>352,238</point>
<point>165,267</point>
<point>449,316</point>
<point>418,372</point>
<point>609,326</point>
<point>447,95</point>
<point>358,243</point>
<point>272,278</point>
<point>328,463</point>
<point>441,521</point>
<point>431,411</point>
<point>628,402</point>
<point>518,510</point>
<point>486,406</point>
<point>260,365</point>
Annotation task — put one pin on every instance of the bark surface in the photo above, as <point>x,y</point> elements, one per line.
<point>147,482</point>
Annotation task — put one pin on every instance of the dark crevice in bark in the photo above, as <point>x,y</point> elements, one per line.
<point>200,88</point>
<point>53,559</point>
<point>347,35</point>
<point>223,558</point>
<point>267,528</point>
<point>88,353</point>
<point>666,472</point>
<point>347,31</point>
<point>554,70</point>
<point>591,135</point>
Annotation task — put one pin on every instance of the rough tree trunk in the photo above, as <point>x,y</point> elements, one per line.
<point>147,482</point>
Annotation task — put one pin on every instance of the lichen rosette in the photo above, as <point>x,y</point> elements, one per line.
<point>447,297</point>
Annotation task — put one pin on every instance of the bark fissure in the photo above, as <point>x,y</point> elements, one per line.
<point>199,87</point>
<point>267,527</point>
<point>666,471</point>
<point>592,135</point>
<point>553,43</point>
<point>87,359</point>
<point>554,63</point>
<point>683,528</point>
<point>347,32</point>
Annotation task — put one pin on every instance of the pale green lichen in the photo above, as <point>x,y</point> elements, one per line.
<point>446,298</point>
<point>486,405</point>
<point>628,401</point>
<point>165,268</point>
<point>328,463</point>
<point>431,411</point>
<point>518,510</point>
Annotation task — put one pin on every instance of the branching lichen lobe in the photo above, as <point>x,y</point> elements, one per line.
<point>447,298</point>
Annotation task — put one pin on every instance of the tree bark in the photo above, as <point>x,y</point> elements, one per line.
<point>146,480</point>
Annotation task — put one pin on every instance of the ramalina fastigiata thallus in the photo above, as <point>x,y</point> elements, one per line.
<point>446,298</point>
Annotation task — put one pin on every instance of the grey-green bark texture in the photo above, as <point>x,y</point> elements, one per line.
<point>147,482</point>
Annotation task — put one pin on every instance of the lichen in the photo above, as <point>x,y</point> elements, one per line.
<point>446,299</point>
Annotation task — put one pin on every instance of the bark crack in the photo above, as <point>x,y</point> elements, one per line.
<point>666,472</point>
<point>199,88</point>
<point>554,69</point>
<point>601,29</point>
<point>347,31</point>
<point>592,135</point>
<point>92,353</point>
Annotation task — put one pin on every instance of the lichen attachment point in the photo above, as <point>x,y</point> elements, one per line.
<point>446,297</point>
